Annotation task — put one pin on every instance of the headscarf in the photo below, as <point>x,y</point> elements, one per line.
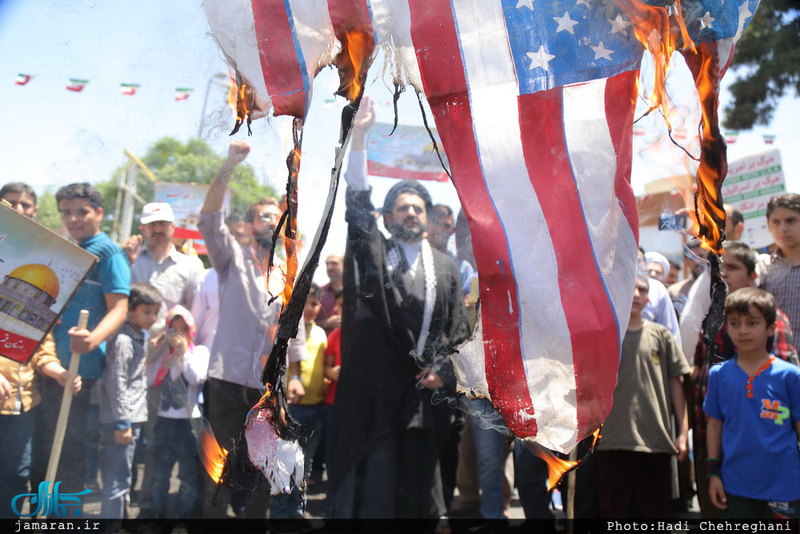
<point>171,357</point>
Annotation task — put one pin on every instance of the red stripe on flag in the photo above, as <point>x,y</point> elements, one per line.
<point>587,307</point>
<point>620,105</point>
<point>436,42</point>
<point>349,15</point>
<point>353,28</point>
<point>283,75</point>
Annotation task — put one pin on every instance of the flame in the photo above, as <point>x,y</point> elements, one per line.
<point>238,96</point>
<point>233,92</point>
<point>357,45</point>
<point>352,62</point>
<point>704,64</point>
<point>663,31</point>
<point>653,28</point>
<point>213,456</point>
<point>558,467</point>
<point>243,102</point>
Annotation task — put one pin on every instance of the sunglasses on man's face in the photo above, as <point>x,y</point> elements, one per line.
<point>267,217</point>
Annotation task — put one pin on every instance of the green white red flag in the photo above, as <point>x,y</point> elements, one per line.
<point>182,93</point>
<point>128,88</point>
<point>76,85</point>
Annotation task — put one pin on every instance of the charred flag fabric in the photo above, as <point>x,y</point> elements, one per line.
<point>534,102</point>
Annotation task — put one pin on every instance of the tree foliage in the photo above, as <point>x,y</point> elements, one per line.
<point>170,160</point>
<point>767,59</point>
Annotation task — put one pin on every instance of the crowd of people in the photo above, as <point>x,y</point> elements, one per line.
<point>171,343</point>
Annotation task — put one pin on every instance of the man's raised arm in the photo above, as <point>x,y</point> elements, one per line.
<point>237,152</point>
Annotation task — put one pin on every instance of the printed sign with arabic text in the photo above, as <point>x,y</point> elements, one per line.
<point>749,186</point>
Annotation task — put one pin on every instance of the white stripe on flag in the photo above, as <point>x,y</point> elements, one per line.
<point>493,96</point>
<point>234,29</point>
<point>314,32</point>
<point>594,163</point>
<point>391,20</point>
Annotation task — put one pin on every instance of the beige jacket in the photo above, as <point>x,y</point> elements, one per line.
<point>23,378</point>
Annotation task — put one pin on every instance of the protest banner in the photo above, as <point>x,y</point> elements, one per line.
<point>407,153</point>
<point>40,271</point>
<point>751,183</point>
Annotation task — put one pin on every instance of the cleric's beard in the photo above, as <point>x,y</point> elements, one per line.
<point>411,235</point>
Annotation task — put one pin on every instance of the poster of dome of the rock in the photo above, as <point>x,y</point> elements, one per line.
<point>40,271</point>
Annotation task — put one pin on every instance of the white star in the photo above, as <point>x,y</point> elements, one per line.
<point>565,23</point>
<point>540,58</point>
<point>744,14</point>
<point>525,3</point>
<point>619,25</point>
<point>707,20</point>
<point>585,3</point>
<point>601,51</point>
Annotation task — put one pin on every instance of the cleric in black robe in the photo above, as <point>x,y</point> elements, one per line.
<point>410,317</point>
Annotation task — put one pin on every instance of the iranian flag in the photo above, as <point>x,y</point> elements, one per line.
<point>182,93</point>
<point>22,79</point>
<point>128,88</point>
<point>76,85</point>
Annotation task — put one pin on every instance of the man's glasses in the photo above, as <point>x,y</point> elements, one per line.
<point>267,217</point>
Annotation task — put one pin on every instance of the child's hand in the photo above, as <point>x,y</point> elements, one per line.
<point>717,493</point>
<point>681,443</point>
<point>177,342</point>
<point>63,378</point>
<point>5,388</point>
<point>123,437</point>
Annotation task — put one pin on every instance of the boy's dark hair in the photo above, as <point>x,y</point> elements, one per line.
<point>736,216</point>
<point>740,301</point>
<point>314,290</point>
<point>78,191</point>
<point>18,187</point>
<point>143,293</point>
<point>339,294</point>
<point>787,200</point>
<point>642,278</point>
<point>743,253</point>
<point>673,264</point>
<point>441,211</point>
<point>250,215</point>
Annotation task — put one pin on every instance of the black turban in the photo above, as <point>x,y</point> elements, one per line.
<point>407,186</point>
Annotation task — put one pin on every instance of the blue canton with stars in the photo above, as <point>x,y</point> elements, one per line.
<point>556,43</point>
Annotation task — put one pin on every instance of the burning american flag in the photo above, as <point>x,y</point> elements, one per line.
<point>534,102</point>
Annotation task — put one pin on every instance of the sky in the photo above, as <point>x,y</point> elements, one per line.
<point>51,136</point>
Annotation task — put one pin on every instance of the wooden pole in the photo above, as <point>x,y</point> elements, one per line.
<point>570,504</point>
<point>66,403</point>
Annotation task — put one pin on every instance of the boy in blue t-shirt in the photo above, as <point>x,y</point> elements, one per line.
<point>753,408</point>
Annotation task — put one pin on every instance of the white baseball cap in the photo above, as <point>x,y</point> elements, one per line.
<point>157,211</point>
